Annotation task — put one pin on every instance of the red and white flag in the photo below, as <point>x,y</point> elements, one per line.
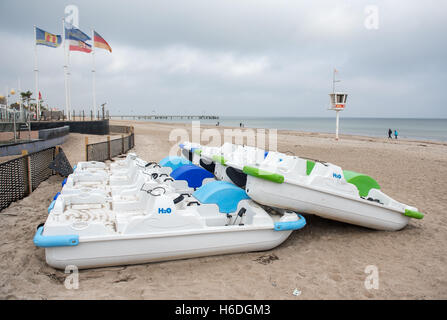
<point>77,45</point>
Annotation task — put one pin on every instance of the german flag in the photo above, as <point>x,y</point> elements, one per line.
<point>99,42</point>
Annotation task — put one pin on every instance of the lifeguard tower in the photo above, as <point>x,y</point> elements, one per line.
<point>338,103</point>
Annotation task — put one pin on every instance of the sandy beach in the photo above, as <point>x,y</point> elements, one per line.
<point>324,260</point>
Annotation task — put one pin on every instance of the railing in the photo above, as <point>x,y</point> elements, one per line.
<point>9,114</point>
<point>21,176</point>
<point>106,150</point>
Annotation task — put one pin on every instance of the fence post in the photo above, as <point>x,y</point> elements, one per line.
<point>108,148</point>
<point>56,152</point>
<point>86,148</point>
<point>28,175</point>
<point>133,136</point>
<point>122,144</point>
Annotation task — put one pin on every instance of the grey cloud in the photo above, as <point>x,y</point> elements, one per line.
<point>239,57</point>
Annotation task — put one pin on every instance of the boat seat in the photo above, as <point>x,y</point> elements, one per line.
<point>295,167</point>
<point>207,166</point>
<point>237,176</point>
<point>363,182</point>
<point>174,162</point>
<point>225,194</point>
<point>272,158</point>
<point>319,169</point>
<point>193,174</point>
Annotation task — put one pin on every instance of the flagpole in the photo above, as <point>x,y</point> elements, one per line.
<point>94,74</point>
<point>65,69</point>
<point>333,81</point>
<point>69,82</point>
<point>20,98</point>
<point>36,75</point>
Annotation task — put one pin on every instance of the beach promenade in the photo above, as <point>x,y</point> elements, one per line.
<point>324,260</point>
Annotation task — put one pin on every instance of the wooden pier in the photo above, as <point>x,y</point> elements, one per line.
<point>164,117</point>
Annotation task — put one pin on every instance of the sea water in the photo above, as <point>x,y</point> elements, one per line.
<point>420,129</point>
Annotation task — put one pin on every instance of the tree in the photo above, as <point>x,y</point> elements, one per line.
<point>26,96</point>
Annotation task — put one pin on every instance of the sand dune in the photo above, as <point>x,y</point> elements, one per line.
<point>325,260</point>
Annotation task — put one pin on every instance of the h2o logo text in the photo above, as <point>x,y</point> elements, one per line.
<point>164,211</point>
<point>338,176</point>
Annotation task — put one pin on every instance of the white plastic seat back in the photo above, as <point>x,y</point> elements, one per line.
<point>293,167</point>
<point>273,158</point>
<point>321,170</point>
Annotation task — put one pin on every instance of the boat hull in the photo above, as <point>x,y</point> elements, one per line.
<point>324,204</point>
<point>102,253</point>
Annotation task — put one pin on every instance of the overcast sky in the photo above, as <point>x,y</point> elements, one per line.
<point>238,57</point>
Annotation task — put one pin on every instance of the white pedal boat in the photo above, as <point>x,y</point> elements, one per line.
<point>185,179</point>
<point>119,167</point>
<point>326,190</point>
<point>73,186</point>
<point>218,218</point>
<point>100,176</point>
<point>307,186</point>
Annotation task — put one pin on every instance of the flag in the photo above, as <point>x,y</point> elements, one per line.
<point>40,96</point>
<point>73,33</point>
<point>77,45</point>
<point>47,39</point>
<point>99,42</point>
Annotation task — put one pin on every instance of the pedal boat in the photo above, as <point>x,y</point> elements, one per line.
<point>328,191</point>
<point>302,185</point>
<point>218,218</point>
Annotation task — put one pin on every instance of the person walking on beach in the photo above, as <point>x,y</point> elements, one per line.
<point>390,132</point>
<point>395,134</point>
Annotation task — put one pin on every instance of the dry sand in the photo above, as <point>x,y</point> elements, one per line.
<point>325,260</point>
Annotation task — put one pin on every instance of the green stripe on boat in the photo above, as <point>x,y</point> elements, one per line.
<point>363,182</point>
<point>198,151</point>
<point>413,214</point>
<point>310,165</point>
<point>266,175</point>
<point>219,159</point>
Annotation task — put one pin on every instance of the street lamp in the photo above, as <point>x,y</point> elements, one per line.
<point>103,106</point>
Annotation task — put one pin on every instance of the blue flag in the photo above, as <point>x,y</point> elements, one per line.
<point>47,39</point>
<point>73,33</point>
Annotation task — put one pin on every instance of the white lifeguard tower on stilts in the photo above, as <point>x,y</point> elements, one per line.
<point>338,103</point>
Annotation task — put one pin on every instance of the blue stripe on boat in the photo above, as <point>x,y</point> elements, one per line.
<point>51,206</point>
<point>54,241</point>
<point>290,225</point>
